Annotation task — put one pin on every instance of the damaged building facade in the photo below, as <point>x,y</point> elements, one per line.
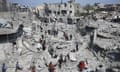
<point>66,12</point>
<point>4,5</point>
<point>26,40</point>
<point>60,9</point>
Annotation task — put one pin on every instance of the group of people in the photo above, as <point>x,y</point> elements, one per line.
<point>83,66</point>
<point>51,67</point>
<point>4,67</point>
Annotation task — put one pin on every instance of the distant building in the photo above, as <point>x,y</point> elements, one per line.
<point>118,7</point>
<point>108,7</point>
<point>18,7</point>
<point>3,5</point>
<point>60,9</point>
<point>100,5</point>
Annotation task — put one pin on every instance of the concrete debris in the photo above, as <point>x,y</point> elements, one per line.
<point>46,44</point>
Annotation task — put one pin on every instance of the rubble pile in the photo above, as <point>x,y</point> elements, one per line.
<point>65,47</point>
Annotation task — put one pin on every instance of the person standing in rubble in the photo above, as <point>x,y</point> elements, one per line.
<point>56,32</point>
<point>49,32</point>
<point>32,67</point>
<point>42,36</point>
<point>81,66</point>
<point>51,51</point>
<point>44,45</point>
<point>40,40</point>
<point>86,64</point>
<point>18,67</point>
<point>86,68</point>
<point>76,46</point>
<point>70,36</point>
<point>41,28</point>
<point>65,35</point>
<point>51,67</point>
<point>60,61</point>
<point>14,47</point>
<point>4,68</point>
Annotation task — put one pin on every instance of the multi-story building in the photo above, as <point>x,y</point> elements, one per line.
<point>18,7</point>
<point>60,9</point>
<point>109,7</point>
<point>3,5</point>
<point>118,7</point>
<point>0,5</point>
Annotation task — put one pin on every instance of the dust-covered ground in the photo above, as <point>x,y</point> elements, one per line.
<point>42,43</point>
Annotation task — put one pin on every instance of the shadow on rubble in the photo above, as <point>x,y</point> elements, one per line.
<point>113,69</point>
<point>97,49</point>
<point>113,55</point>
<point>117,20</point>
<point>84,29</point>
<point>109,70</point>
<point>4,38</point>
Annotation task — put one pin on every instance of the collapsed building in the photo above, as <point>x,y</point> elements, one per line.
<point>95,42</point>
<point>61,11</point>
<point>4,5</point>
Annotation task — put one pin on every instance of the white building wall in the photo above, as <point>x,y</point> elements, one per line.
<point>67,8</point>
<point>56,8</point>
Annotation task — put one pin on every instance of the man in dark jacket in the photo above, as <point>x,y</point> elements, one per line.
<point>4,68</point>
